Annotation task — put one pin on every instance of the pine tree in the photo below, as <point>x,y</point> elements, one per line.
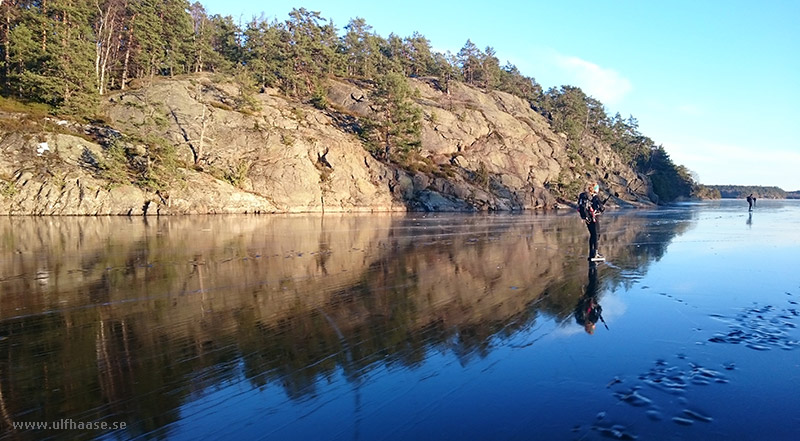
<point>50,54</point>
<point>177,32</point>
<point>418,50</point>
<point>445,66</point>
<point>23,54</point>
<point>225,40</point>
<point>396,130</point>
<point>263,52</point>
<point>311,49</point>
<point>74,56</point>
<point>147,42</point>
<point>362,49</point>
<point>490,69</point>
<point>469,59</point>
<point>569,111</point>
<point>9,14</point>
<point>669,181</point>
<point>394,57</point>
<point>512,81</point>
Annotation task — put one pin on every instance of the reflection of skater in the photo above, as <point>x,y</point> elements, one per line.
<point>750,202</point>
<point>589,206</point>
<point>750,219</point>
<point>588,310</point>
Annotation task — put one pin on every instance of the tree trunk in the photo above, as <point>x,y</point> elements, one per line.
<point>124,80</point>
<point>125,64</point>
<point>6,44</point>
<point>202,137</point>
<point>65,51</point>
<point>198,43</point>
<point>386,147</point>
<point>106,57</point>
<point>105,35</point>
<point>152,66</point>
<point>98,48</point>
<point>44,26</point>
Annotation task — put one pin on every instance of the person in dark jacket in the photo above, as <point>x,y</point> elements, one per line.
<point>750,202</point>
<point>589,207</point>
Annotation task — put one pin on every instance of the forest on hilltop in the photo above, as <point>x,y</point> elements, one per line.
<point>63,56</point>
<point>742,191</point>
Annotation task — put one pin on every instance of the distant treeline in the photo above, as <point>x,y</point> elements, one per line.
<point>793,194</point>
<point>66,54</point>
<point>742,191</point>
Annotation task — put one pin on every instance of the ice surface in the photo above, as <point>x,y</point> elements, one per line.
<point>418,326</point>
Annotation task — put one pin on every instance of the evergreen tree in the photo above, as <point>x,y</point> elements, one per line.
<point>311,50</point>
<point>73,57</point>
<point>24,56</point>
<point>569,112</point>
<point>200,35</point>
<point>15,50</point>
<point>263,52</point>
<point>596,118</point>
<point>362,49</point>
<point>513,82</point>
<point>394,56</point>
<point>469,60</point>
<point>420,58</point>
<point>445,66</point>
<point>633,147</point>
<point>177,35</point>
<point>396,130</point>
<point>669,181</point>
<point>490,69</point>
<point>8,11</point>
<point>225,41</point>
<point>51,51</point>
<point>147,40</point>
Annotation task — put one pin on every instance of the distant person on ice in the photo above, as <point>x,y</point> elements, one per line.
<point>750,202</point>
<point>589,207</point>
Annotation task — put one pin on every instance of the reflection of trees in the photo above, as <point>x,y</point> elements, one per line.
<point>111,319</point>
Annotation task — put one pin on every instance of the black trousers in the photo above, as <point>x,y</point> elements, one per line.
<point>593,236</point>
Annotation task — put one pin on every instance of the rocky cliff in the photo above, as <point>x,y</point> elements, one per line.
<point>188,146</point>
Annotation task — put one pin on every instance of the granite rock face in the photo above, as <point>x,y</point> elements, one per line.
<point>482,151</point>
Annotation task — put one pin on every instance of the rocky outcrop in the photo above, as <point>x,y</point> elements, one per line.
<point>61,179</point>
<point>480,151</point>
<point>503,154</point>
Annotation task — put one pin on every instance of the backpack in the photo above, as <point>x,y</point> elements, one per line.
<point>584,206</point>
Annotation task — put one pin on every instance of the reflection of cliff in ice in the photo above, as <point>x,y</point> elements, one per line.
<point>133,318</point>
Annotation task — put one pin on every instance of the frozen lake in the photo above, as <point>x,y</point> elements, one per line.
<point>395,327</point>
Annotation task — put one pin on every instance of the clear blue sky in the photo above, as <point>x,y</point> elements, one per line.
<point>717,82</point>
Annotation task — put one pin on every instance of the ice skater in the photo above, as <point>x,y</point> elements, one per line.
<point>751,201</point>
<point>589,207</point>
